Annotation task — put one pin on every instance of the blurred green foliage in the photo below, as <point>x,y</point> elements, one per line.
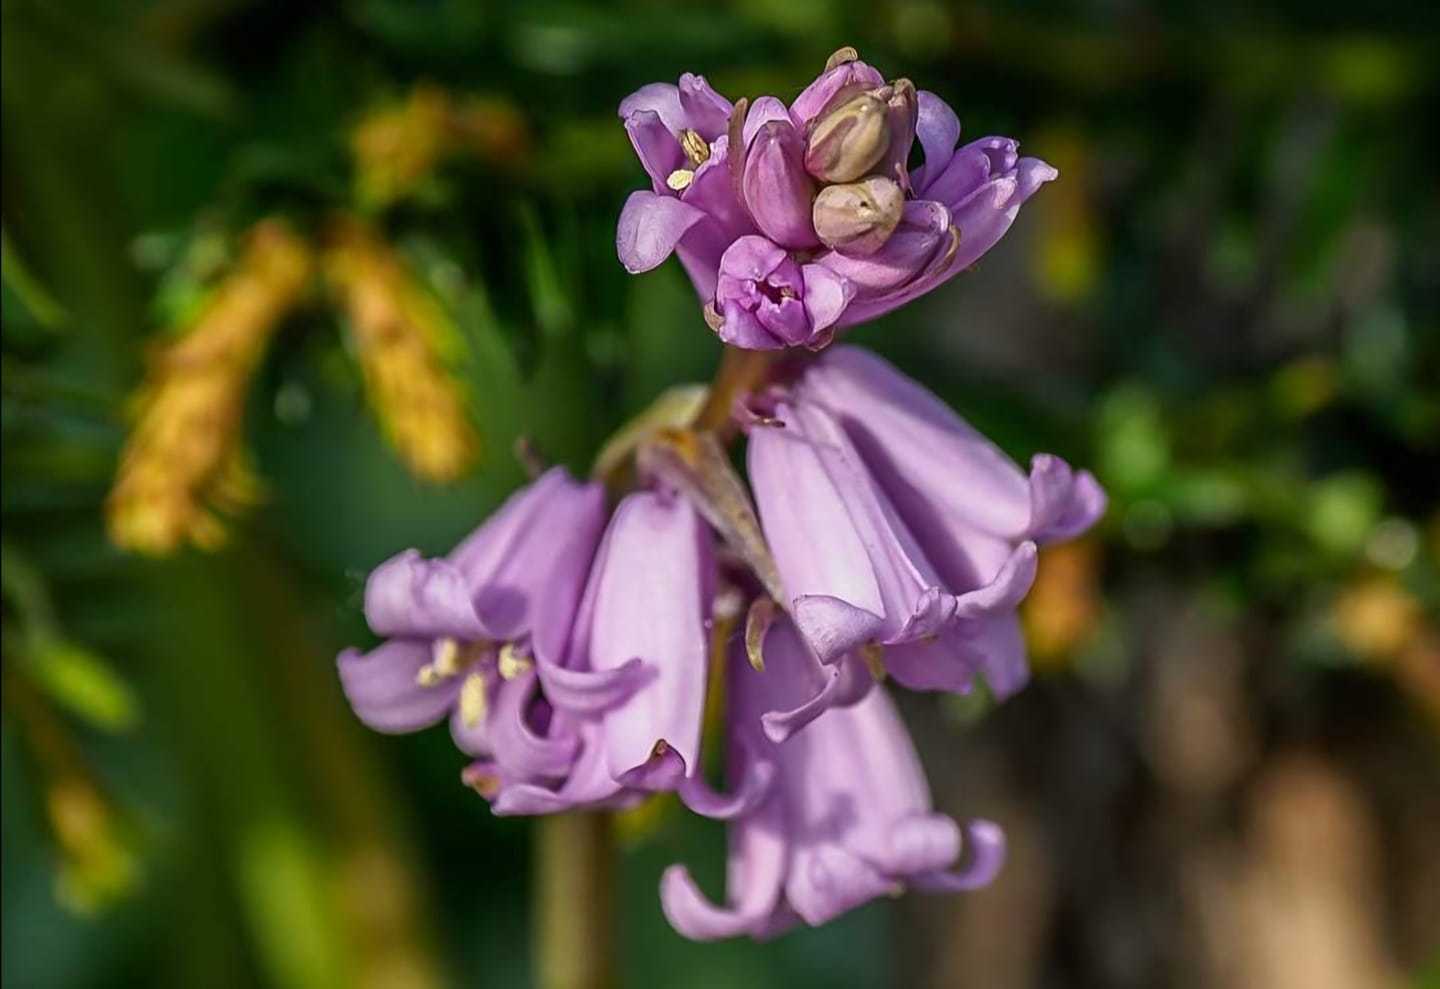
<point>1227,305</point>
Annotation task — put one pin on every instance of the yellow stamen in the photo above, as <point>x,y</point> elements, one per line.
<point>473,701</point>
<point>513,662</point>
<point>680,179</point>
<point>446,657</point>
<point>696,148</point>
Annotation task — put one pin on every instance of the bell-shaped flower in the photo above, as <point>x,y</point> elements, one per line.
<point>847,819</point>
<point>962,498</point>
<point>856,577</point>
<point>462,627</point>
<point>630,688</point>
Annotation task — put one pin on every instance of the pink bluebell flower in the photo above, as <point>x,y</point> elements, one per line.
<point>898,528</point>
<point>464,630</point>
<point>848,819</point>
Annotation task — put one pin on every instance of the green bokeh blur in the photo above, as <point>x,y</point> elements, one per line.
<point>1228,306</point>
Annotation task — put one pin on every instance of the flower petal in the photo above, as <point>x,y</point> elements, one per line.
<point>652,602</point>
<point>938,129</point>
<point>519,748</point>
<point>411,596</point>
<point>705,110</point>
<point>986,843</point>
<point>660,98</point>
<point>382,689</point>
<point>650,227</point>
<point>655,145</point>
<point>819,94</point>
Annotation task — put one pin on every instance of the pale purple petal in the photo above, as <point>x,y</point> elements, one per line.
<point>656,147</point>
<point>801,688</point>
<point>923,232</point>
<point>778,190</point>
<point>705,111</point>
<point>938,129</point>
<point>852,570</point>
<point>524,750</point>
<point>756,777</point>
<point>410,596</point>
<point>660,98</point>
<point>652,603</point>
<point>826,296</point>
<point>820,94</point>
<point>382,688</point>
<point>1064,502</point>
<point>826,880</point>
<point>985,842</point>
<point>650,227</point>
<point>764,110</point>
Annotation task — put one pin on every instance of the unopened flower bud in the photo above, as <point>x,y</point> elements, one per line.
<point>849,141</point>
<point>858,218</point>
<point>776,188</point>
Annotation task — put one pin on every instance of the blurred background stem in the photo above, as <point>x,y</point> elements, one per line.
<point>574,902</point>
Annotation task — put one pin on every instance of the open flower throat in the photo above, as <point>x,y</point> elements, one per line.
<point>875,536</point>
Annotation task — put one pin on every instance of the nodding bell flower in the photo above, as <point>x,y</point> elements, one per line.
<point>625,697</point>
<point>847,819</point>
<point>824,181</point>
<point>465,631</point>
<point>856,577</point>
<point>966,506</point>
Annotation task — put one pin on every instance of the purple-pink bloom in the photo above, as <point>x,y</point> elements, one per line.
<point>847,819</point>
<point>629,689</point>
<point>960,497</point>
<point>856,577</point>
<point>462,628</point>
<point>893,234</point>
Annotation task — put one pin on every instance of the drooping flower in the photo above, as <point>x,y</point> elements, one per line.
<point>856,578</point>
<point>629,688</point>
<point>821,183</point>
<point>848,818</point>
<point>466,630</point>
<point>966,503</point>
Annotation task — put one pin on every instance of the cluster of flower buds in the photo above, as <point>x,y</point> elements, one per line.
<point>794,221</point>
<point>880,537</point>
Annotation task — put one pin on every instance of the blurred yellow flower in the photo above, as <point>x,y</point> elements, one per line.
<point>404,339</point>
<point>182,462</point>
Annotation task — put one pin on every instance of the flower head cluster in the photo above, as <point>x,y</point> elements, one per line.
<point>794,221</point>
<point>570,644</point>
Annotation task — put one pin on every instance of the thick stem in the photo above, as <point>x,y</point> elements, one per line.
<point>575,938</point>
<point>740,371</point>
